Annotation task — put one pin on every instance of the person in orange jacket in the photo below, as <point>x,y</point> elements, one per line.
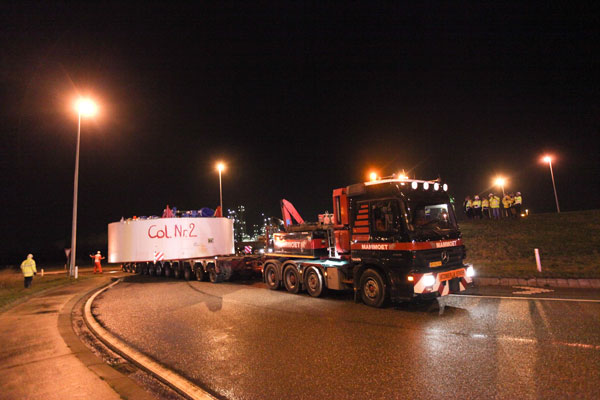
<point>97,258</point>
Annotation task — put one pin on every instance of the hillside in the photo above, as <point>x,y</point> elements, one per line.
<point>569,245</point>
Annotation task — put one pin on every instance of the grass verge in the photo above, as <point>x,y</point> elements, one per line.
<point>11,285</point>
<point>569,245</point>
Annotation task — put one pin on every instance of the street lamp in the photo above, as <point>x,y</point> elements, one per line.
<point>220,168</point>
<point>86,108</point>
<point>548,159</point>
<point>500,182</point>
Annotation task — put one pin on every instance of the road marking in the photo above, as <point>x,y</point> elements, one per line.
<point>535,341</point>
<point>524,298</point>
<point>531,290</point>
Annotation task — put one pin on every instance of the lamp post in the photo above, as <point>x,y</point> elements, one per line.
<point>500,182</point>
<point>220,168</point>
<point>86,108</point>
<point>548,159</point>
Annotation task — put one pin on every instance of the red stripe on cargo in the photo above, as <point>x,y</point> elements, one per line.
<point>360,230</point>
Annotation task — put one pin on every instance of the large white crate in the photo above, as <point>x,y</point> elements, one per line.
<point>178,238</point>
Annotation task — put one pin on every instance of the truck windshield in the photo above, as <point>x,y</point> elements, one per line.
<point>426,216</point>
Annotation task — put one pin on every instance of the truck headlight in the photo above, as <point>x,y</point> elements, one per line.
<point>428,280</point>
<point>470,271</point>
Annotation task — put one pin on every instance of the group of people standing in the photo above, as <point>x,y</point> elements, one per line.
<point>489,207</point>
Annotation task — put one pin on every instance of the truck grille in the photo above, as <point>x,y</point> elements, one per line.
<point>426,257</point>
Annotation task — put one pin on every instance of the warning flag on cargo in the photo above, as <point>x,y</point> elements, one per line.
<point>218,212</point>
<point>167,213</point>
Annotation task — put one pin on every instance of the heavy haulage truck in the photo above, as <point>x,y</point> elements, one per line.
<point>390,239</point>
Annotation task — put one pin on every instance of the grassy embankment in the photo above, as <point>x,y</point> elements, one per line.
<point>569,245</point>
<point>11,285</point>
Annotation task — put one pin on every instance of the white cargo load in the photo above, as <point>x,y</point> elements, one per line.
<point>142,240</point>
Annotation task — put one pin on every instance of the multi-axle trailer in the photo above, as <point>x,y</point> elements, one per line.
<point>392,239</point>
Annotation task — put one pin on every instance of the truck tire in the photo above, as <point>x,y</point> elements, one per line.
<point>168,271</point>
<point>372,288</point>
<point>291,279</point>
<point>177,272</point>
<point>314,282</point>
<point>187,273</point>
<point>145,269</point>
<point>151,270</point>
<point>271,279</point>
<point>158,269</point>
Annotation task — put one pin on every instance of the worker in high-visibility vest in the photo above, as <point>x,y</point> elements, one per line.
<point>495,205</point>
<point>29,270</point>
<point>468,205</point>
<point>518,202</point>
<point>97,261</point>
<point>477,207</point>
<point>506,203</point>
<point>485,207</point>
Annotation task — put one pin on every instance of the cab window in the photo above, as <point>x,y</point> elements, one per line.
<point>384,217</point>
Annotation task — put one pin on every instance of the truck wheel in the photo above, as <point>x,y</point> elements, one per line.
<point>271,277</point>
<point>187,273</point>
<point>158,269</point>
<point>177,273</point>
<point>168,271</point>
<point>372,288</point>
<point>314,282</point>
<point>291,279</point>
<point>200,275</point>
<point>144,269</point>
<point>151,271</point>
<point>213,277</point>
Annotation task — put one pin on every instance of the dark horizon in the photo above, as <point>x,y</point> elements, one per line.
<point>296,99</point>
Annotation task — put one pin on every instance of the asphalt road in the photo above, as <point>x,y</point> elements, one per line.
<point>241,341</point>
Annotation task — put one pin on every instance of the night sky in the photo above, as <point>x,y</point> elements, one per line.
<point>296,98</point>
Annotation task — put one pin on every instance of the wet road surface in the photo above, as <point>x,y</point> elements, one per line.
<point>241,341</point>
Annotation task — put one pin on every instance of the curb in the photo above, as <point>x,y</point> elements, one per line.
<point>170,378</point>
<point>543,282</point>
<point>122,384</point>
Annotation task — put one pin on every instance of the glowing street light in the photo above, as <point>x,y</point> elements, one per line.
<point>221,168</point>
<point>548,159</point>
<point>87,108</point>
<point>500,181</point>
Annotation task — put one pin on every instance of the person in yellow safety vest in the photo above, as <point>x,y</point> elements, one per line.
<point>477,207</point>
<point>485,207</point>
<point>29,270</point>
<point>468,205</point>
<point>518,202</point>
<point>506,203</point>
<point>495,205</point>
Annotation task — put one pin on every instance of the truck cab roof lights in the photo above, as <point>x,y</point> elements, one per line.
<point>445,187</point>
<point>436,186</point>
<point>426,185</point>
<point>414,185</point>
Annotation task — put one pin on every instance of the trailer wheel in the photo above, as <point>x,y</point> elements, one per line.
<point>372,288</point>
<point>168,271</point>
<point>159,269</point>
<point>271,279</point>
<point>187,273</point>
<point>314,282</point>
<point>200,274</point>
<point>177,272</point>
<point>291,279</point>
<point>151,270</point>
